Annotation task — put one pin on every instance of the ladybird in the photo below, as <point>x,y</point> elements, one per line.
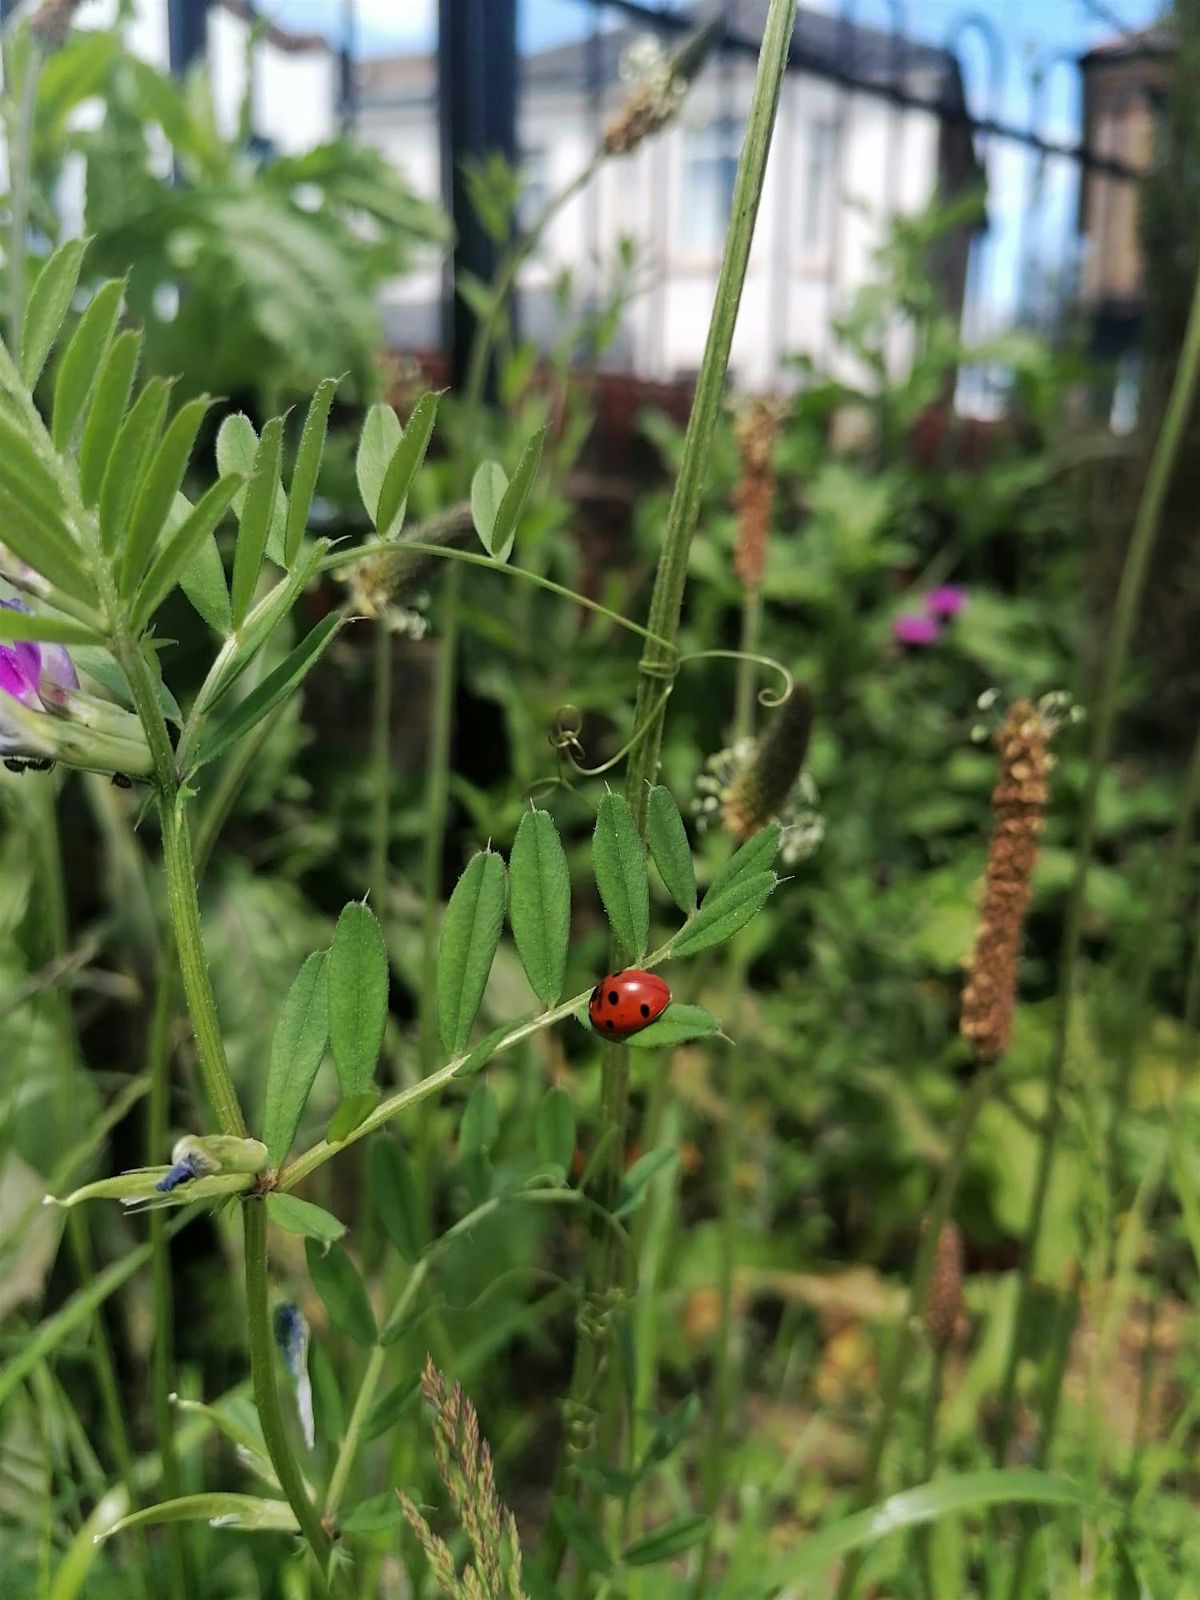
<point>626,1002</point>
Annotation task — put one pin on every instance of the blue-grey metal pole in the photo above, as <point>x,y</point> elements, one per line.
<point>477,114</point>
<point>187,32</point>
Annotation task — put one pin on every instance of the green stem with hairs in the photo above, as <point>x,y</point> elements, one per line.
<point>902,1343</point>
<point>266,1391</point>
<point>659,661</point>
<point>381,766</point>
<point>1133,578</point>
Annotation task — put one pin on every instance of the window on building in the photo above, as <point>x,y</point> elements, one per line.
<point>710,158</point>
<point>816,199</point>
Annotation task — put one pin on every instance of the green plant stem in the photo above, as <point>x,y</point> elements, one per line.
<point>1133,577</point>
<point>20,141</point>
<point>897,1365</point>
<point>381,766</point>
<point>929,1421</point>
<point>437,794</point>
<point>659,661</point>
<point>266,1391</point>
<point>747,676</point>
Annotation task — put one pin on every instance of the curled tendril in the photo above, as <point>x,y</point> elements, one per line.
<point>566,741</point>
<point>771,699</point>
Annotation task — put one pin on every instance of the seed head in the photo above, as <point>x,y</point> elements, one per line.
<point>1018,815</point>
<point>943,1301</point>
<point>754,497</point>
<point>762,789</point>
<point>658,84</point>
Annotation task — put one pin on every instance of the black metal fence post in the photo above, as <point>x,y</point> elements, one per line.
<point>187,32</point>
<point>477,101</point>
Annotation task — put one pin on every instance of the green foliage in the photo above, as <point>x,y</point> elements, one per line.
<point>539,904</point>
<point>358,997</point>
<point>298,1048</point>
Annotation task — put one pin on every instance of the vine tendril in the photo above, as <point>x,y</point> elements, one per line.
<point>771,699</point>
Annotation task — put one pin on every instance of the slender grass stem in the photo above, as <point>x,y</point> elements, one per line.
<point>747,675</point>
<point>659,661</point>
<point>897,1365</point>
<point>1133,578</point>
<point>381,766</point>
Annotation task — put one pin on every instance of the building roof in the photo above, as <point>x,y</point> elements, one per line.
<point>1154,40</point>
<point>825,45</point>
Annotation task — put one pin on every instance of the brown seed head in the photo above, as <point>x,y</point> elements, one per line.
<point>1018,815</point>
<point>51,22</point>
<point>754,496</point>
<point>944,1298</point>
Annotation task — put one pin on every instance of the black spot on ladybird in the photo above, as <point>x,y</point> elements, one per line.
<point>610,1023</point>
<point>613,997</point>
<point>645,1009</point>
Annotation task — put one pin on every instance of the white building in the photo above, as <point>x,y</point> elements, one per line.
<point>842,165</point>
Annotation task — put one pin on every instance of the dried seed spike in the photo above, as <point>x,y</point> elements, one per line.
<point>1018,816</point>
<point>943,1302</point>
<point>754,495</point>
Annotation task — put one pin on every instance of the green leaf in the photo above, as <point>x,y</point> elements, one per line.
<point>556,1129</point>
<point>127,460</point>
<point>582,1535</point>
<point>80,364</point>
<point>480,1126</point>
<point>404,466</point>
<point>539,904</point>
<point>274,688</point>
<point>159,488</point>
<point>639,1177</point>
<point>944,1496</point>
<point>307,467</point>
<point>483,1052</point>
<point>237,455</point>
<point>262,493</point>
<point>756,855</point>
<point>182,547</point>
<point>247,1512</point>
<point>397,1200</point>
<point>43,542</point>
<point>336,1280</point>
<point>672,1539</point>
<point>36,627</point>
<point>724,914</point>
<point>389,1408</point>
<point>470,934</point>
<point>301,1216</point>
<point>113,388</point>
<point>672,855</point>
<point>619,863</point>
<point>677,1024</point>
<point>350,1114</point>
<point>515,498</point>
<point>487,490</point>
<point>358,996</point>
<point>377,444</point>
<point>297,1049</point>
<point>203,582</point>
<point>49,301</point>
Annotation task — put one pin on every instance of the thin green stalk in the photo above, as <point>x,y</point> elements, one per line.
<point>929,1420</point>
<point>437,794</point>
<point>747,675</point>
<point>1129,594</point>
<point>266,1392</point>
<point>659,661</point>
<point>897,1366</point>
<point>381,766</point>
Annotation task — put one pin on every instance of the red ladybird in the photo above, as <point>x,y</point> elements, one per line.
<point>626,1002</point>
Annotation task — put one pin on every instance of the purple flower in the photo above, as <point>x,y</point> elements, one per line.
<point>947,600</point>
<point>35,673</point>
<point>915,630</point>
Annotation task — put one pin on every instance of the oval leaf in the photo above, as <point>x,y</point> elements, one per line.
<point>80,364</point>
<point>669,847</point>
<point>470,934</point>
<point>619,863</point>
<point>677,1024</point>
<point>307,467</point>
<point>724,914</point>
<point>487,491</point>
<point>756,855</point>
<point>358,997</point>
<point>301,1216</point>
<point>480,1126</point>
<point>376,446</point>
<point>515,497</point>
<point>539,904</point>
<point>49,302</point>
<point>336,1280</point>
<point>404,466</point>
<point>301,1035</point>
<point>394,1191</point>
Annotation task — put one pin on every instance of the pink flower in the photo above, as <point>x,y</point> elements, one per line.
<point>915,630</point>
<point>947,600</point>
